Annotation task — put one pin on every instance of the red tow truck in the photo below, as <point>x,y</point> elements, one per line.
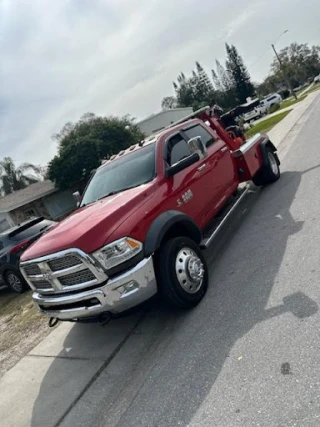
<point>144,220</point>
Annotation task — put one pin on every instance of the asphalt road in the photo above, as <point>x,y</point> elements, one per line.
<point>248,355</point>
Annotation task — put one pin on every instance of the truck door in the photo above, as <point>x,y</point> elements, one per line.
<point>220,178</point>
<point>185,190</point>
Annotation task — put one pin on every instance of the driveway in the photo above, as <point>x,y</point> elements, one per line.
<point>248,355</point>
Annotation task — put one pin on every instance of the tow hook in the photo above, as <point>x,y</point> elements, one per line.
<point>104,319</point>
<point>53,321</point>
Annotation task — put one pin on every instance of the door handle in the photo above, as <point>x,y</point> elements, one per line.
<point>224,149</point>
<point>202,167</point>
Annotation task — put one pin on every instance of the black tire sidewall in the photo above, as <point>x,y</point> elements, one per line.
<point>169,286</point>
<point>271,175</point>
<point>17,274</point>
<point>266,175</point>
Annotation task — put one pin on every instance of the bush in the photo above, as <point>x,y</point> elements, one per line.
<point>274,108</point>
<point>285,93</point>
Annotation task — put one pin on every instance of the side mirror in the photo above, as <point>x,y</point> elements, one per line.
<point>77,196</point>
<point>183,164</point>
<point>197,146</point>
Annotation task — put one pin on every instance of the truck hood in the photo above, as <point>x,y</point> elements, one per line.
<point>89,227</point>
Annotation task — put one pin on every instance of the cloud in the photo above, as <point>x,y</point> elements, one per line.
<point>64,58</point>
<point>241,20</point>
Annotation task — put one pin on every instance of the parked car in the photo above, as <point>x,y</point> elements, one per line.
<point>271,100</point>
<point>317,79</point>
<point>247,126</point>
<point>256,113</point>
<point>13,243</point>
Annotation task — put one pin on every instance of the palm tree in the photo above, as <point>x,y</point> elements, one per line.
<point>14,178</point>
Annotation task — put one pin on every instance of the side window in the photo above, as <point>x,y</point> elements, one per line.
<point>177,149</point>
<point>199,130</point>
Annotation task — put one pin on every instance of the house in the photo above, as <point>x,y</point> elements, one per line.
<point>156,122</point>
<point>39,199</point>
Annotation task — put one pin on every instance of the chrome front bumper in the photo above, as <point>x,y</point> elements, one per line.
<point>118,294</point>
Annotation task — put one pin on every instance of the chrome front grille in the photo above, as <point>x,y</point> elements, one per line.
<point>42,285</point>
<point>63,272</point>
<point>63,263</point>
<point>32,269</point>
<point>82,276</point>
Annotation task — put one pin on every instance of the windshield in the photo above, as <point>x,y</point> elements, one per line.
<point>130,171</point>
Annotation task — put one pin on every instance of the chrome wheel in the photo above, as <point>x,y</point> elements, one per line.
<point>189,270</point>
<point>273,163</point>
<point>14,282</point>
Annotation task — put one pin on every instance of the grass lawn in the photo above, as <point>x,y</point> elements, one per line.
<point>301,90</point>
<point>291,101</point>
<point>266,125</point>
<point>21,327</point>
<point>314,88</point>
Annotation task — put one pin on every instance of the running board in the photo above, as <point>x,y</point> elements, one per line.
<point>207,240</point>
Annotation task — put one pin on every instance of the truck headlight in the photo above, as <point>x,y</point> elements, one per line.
<point>117,252</point>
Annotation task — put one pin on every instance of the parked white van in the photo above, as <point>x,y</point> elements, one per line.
<point>256,113</point>
<point>271,100</point>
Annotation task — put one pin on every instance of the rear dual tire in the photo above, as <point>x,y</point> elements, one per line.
<point>182,272</point>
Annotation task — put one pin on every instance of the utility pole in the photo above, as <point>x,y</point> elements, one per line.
<point>284,73</point>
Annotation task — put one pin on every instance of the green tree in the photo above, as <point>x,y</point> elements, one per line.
<point>204,81</point>
<point>72,167</point>
<point>168,103</point>
<point>271,84</point>
<point>225,96</point>
<point>224,77</point>
<point>299,61</point>
<point>199,90</point>
<point>196,91</point>
<point>216,81</point>
<point>238,74</point>
<point>14,178</point>
<point>184,90</point>
<point>82,146</point>
<point>204,90</point>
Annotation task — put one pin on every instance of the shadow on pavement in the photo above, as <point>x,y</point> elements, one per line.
<point>200,341</point>
<point>5,292</point>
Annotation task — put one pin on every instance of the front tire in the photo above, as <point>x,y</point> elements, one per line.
<point>15,281</point>
<point>182,272</point>
<point>270,172</point>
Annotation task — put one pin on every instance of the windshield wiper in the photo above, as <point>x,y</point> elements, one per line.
<point>111,194</point>
<point>123,189</point>
<point>100,198</point>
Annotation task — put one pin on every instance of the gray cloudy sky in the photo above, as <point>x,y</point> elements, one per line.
<point>62,58</point>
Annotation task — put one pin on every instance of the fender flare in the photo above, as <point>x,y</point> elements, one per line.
<point>265,145</point>
<point>163,223</point>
